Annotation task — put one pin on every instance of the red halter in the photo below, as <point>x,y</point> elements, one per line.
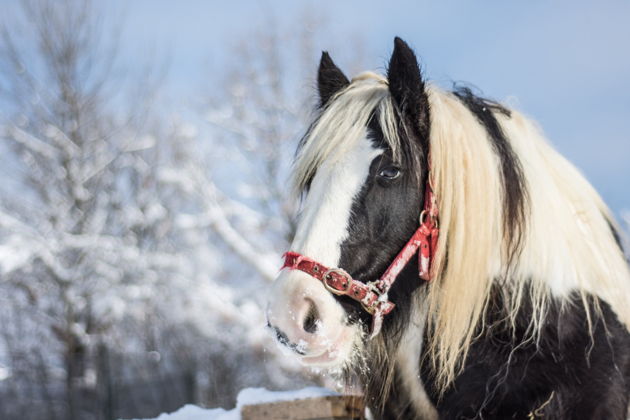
<point>373,295</point>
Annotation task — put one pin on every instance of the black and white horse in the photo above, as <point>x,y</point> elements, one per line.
<point>527,311</point>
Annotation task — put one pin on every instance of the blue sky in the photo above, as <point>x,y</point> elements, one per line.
<point>565,63</point>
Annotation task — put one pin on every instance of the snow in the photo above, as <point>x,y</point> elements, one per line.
<point>192,412</point>
<point>261,395</point>
<point>13,254</point>
<point>247,396</point>
<point>5,372</point>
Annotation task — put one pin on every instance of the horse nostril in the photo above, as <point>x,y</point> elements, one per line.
<point>311,321</point>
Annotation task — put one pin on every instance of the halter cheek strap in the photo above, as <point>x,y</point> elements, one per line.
<point>373,295</point>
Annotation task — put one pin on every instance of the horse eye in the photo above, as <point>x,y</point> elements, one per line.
<point>390,172</point>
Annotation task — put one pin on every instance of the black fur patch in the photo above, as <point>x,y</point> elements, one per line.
<point>330,79</point>
<point>514,189</point>
<point>565,374</point>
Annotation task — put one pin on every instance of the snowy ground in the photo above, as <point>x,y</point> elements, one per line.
<point>245,397</point>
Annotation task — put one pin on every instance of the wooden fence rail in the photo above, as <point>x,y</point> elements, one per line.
<point>341,407</point>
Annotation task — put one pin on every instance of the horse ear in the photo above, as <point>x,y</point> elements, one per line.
<point>330,79</point>
<point>407,87</point>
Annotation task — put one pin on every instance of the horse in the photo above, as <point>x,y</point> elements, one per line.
<point>449,258</point>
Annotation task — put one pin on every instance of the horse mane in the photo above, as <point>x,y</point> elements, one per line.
<point>560,241</point>
<point>513,212</point>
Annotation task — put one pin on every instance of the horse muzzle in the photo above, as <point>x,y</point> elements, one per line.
<point>305,318</point>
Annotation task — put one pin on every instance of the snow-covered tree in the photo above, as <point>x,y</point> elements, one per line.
<point>84,234</point>
<point>128,234</point>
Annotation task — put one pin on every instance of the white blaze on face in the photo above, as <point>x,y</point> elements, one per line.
<point>324,221</point>
<point>322,228</point>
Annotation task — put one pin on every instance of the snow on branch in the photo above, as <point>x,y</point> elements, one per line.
<point>216,219</point>
<point>32,143</point>
<point>215,207</point>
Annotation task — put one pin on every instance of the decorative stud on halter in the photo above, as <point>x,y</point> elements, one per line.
<point>373,295</point>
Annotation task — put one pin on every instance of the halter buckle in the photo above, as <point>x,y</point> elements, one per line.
<point>370,309</point>
<point>328,276</point>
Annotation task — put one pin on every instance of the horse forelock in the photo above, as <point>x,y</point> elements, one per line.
<point>344,121</point>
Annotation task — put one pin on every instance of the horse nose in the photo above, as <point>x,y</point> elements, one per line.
<point>310,322</point>
<point>297,328</point>
<point>304,318</point>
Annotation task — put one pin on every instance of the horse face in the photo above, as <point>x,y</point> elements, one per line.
<point>304,314</point>
<point>359,211</point>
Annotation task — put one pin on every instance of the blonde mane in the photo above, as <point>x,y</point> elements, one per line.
<point>566,244</point>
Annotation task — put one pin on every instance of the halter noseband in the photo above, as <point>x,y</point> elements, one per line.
<point>373,295</point>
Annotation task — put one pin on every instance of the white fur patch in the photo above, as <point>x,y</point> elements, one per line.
<point>408,361</point>
<point>324,221</point>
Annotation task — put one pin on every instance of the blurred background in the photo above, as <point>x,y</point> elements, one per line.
<point>144,153</point>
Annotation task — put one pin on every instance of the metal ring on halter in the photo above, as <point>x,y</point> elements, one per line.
<point>328,276</point>
<point>433,218</point>
<point>422,214</point>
